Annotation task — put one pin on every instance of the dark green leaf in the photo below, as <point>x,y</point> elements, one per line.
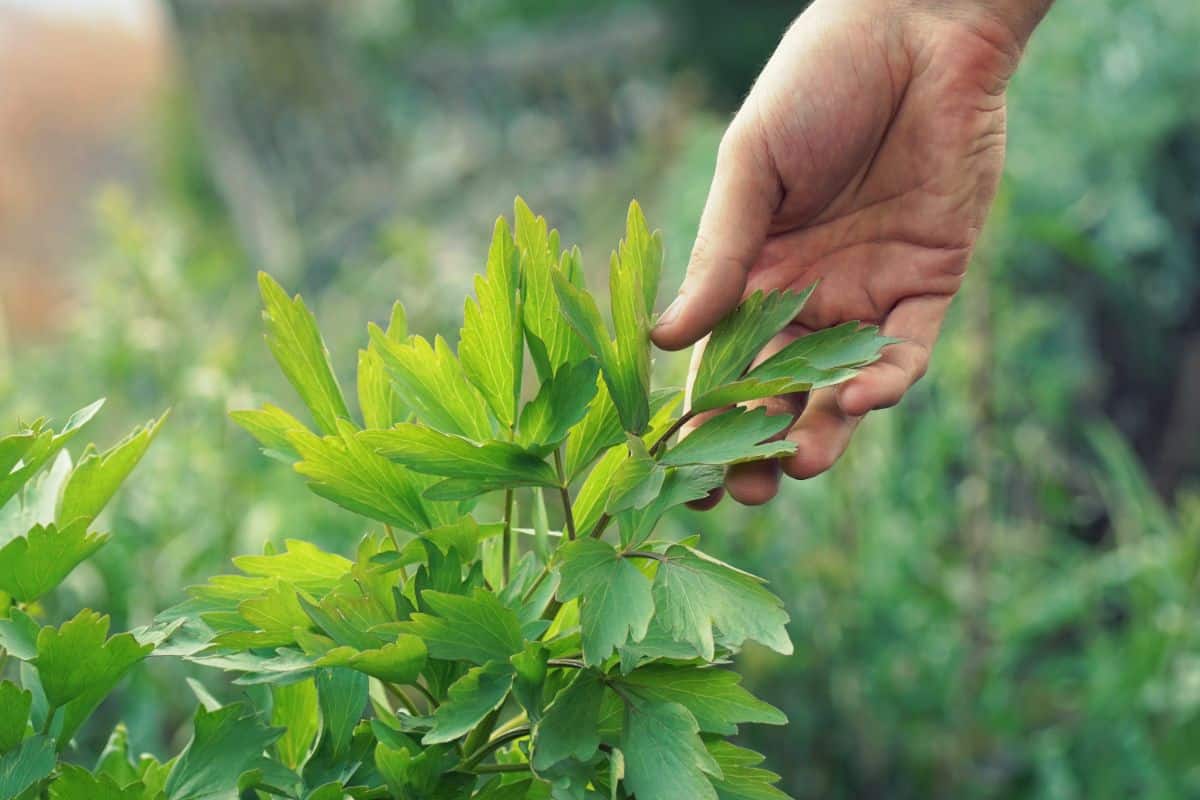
<point>664,756</point>
<point>571,727</point>
<point>76,783</point>
<point>21,768</point>
<point>694,593</point>
<point>226,744</point>
<point>741,778</point>
<point>343,696</point>
<point>561,402</point>
<point>471,698</point>
<point>713,696</point>
<point>736,436</point>
<point>615,598</point>
<point>478,628</point>
<point>680,485</point>
<point>15,703</point>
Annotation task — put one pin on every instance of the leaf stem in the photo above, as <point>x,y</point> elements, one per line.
<point>661,444</point>
<point>391,532</point>
<point>574,663</point>
<point>495,744</point>
<point>508,535</point>
<point>647,554</point>
<point>568,515</point>
<point>484,769</point>
<point>403,698</point>
<point>433,703</point>
<point>601,524</point>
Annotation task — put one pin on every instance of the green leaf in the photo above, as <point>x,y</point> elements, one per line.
<point>78,667</point>
<point>599,430</point>
<point>345,470</point>
<point>741,778</point>
<point>477,628</point>
<point>32,565</point>
<point>302,564</point>
<point>270,426</point>
<point>642,251</point>
<point>475,468</point>
<point>531,671</point>
<point>561,402</point>
<point>713,696</point>
<point>377,401</point>
<point>295,710</point>
<point>680,485</point>
<point>96,477</point>
<point>76,783</point>
<point>615,597</point>
<point>734,437</point>
<point>30,450</point>
<point>226,744</point>
<point>343,697</point>
<point>738,338</point>
<point>432,382</point>
<point>636,482</point>
<point>18,635</point>
<point>33,761</point>
<point>552,343</point>
<point>296,343</point>
<point>490,343</point>
<point>274,615</point>
<point>695,593</point>
<point>664,756</point>
<point>471,698</point>
<point>398,662</point>
<point>15,703</point>
<point>571,726</point>
<point>593,494</point>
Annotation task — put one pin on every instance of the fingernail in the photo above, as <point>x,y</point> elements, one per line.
<point>671,313</point>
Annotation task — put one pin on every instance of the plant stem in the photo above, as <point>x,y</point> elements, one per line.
<point>403,698</point>
<point>661,444</point>
<point>433,703</point>
<point>647,554</point>
<point>601,524</point>
<point>574,663</point>
<point>471,761</point>
<point>484,769</point>
<point>391,532</point>
<point>508,534</point>
<point>568,516</point>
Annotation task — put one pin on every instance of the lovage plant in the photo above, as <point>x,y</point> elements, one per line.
<point>512,627</point>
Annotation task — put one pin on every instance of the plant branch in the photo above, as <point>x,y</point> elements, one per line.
<point>433,703</point>
<point>484,769</point>
<point>574,663</point>
<point>469,764</point>
<point>568,515</point>
<point>661,444</point>
<point>508,535</point>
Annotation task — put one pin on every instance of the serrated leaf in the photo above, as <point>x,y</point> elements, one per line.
<point>344,469</point>
<point>738,338</point>
<point>531,671</point>
<point>96,477</point>
<point>571,726</point>
<point>694,593</point>
<point>297,345</point>
<point>642,251</point>
<point>22,768</point>
<point>713,696</point>
<point>741,778</point>
<point>270,426</point>
<point>34,564</point>
<point>592,496</point>
<point>18,635</point>
<point>615,598</point>
<point>302,564</point>
<point>636,482</point>
<point>734,437</point>
<point>431,381</point>
<point>477,628</point>
<point>76,783</point>
<point>33,448</point>
<point>273,615</point>
<point>15,703</point>
<point>78,666</point>
<point>377,401</point>
<point>490,465</point>
<point>471,698</point>
<point>680,485</point>
<point>599,430</point>
<point>552,343</point>
<point>342,694</point>
<point>490,343</point>
<point>560,403</point>
<point>400,661</point>
<point>664,756</point>
<point>295,710</point>
<point>226,744</point>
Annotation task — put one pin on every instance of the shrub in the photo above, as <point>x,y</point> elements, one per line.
<point>471,647</point>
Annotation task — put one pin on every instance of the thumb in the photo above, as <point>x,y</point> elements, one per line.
<point>743,196</point>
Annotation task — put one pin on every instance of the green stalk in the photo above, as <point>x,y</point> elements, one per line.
<point>568,515</point>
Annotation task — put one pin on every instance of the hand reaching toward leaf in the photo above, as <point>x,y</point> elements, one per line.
<point>865,158</point>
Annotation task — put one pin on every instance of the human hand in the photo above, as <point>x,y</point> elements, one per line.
<point>866,157</point>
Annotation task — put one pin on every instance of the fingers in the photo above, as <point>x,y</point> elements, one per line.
<point>882,384</point>
<point>742,198</point>
<point>821,435</point>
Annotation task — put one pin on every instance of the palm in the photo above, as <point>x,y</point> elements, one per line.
<point>865,158</point>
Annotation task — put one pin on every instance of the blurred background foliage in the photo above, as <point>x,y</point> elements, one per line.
<point>993,595</point>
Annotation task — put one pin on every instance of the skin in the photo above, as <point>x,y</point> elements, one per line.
<point>866,157</point>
